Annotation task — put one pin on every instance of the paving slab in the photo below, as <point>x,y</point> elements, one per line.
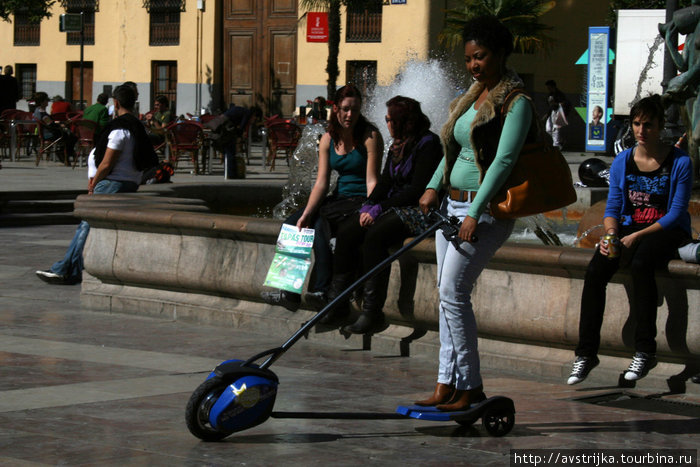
<point>79,387</point>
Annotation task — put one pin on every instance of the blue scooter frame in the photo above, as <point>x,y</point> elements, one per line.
<point>240,394</point>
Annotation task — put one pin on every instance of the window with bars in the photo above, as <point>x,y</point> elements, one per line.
<point>26,77</point>
<point>88,8</point>
<point>364,23</point>
<point>26,32</point>
<point>164,82</point>
<point>73,38</point>
<point>363,74</point>
<point>164,21</point>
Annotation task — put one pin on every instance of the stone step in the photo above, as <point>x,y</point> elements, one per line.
<point>37,206</point>
<point>26,219</point>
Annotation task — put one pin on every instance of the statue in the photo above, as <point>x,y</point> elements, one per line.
<point>684,88</point>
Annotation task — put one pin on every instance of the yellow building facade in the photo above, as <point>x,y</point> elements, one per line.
<point>121,51</point>
<point>409,30</point>
<point>202,67</point>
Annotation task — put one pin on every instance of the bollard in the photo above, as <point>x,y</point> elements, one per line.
<point>229,165</point>
<point>263,131</point>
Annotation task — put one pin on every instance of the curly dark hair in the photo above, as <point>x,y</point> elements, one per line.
<point>489,32</point>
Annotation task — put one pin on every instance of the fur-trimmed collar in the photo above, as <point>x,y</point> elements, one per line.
<point>486,113</point>
<point>487,110</point>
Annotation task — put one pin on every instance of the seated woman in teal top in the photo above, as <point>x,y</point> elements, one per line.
<point>352,147</point>
<point>352,171</point>
<point>480,152</point>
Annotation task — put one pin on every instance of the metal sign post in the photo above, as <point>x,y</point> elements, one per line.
<point>73,22</point>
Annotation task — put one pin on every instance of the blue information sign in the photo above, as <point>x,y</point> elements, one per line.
<point>598,49</point>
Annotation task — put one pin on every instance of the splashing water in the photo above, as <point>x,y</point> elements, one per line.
<point>430,82</point>
<point>302,172</point>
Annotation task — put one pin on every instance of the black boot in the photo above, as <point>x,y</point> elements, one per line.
<point>337,315</point>
<point>374,296</point>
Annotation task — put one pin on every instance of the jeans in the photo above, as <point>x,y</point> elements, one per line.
<point>459,265</point>
<point>651,252</point>
<point>71,266</point>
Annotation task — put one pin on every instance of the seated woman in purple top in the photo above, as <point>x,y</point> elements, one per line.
<point>390,213</point>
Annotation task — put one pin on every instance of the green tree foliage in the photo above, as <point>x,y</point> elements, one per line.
<point>520,16</point>
<point>36,9</point>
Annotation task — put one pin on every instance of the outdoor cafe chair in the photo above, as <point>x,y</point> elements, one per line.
<point>50,145</point>
<point>59,116</point>
<point>85,131</point>
<point>283,136</point>
<point>25,132</point>
<point>5,118</point>
<point>186,137</point>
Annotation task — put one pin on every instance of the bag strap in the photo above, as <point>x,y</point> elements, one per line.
<point>506,104</point>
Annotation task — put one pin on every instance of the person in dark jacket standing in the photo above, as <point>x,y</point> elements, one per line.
<point>9,90</point>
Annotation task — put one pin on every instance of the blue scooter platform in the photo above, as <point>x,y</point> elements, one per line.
<point>429,413</point>
<point>473,412</point>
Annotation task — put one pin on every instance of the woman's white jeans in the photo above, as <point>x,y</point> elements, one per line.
<point>458,267</point>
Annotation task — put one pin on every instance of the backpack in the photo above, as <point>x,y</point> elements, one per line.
<point>224,132</point>
<point>158,174</point>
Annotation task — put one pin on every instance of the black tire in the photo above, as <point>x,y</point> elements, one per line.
<point>198,407</point>
<point>498,421</point>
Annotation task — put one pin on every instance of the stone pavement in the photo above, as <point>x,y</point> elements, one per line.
<point>79,387</point>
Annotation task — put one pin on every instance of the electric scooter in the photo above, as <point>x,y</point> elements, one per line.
<point>240,394</point>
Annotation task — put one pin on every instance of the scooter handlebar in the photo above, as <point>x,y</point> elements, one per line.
<point>450,224</point>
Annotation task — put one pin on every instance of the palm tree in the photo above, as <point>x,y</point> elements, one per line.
<point>333,9</point>
<point>520,16</point>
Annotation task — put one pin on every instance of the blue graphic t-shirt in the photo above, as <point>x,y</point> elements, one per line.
<point>647,192</point>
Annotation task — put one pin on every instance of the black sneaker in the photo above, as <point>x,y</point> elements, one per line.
<point>289,300</point>
<point>641,364</point>
<point>52,277</point>
<point>582,366</point>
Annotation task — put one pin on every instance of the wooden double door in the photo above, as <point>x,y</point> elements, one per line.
<point>73,84</point>
<point>260,54</point>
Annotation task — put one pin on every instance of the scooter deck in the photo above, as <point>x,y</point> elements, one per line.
<point>433,414</point>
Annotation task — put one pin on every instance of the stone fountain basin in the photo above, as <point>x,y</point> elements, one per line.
<point>174,258</point>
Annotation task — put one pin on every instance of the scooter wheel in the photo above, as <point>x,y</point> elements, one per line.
<point>468,421</point>
<point>199,406</point>
<point>498,421</point>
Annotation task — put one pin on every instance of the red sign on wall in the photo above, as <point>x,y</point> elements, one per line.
<point>316,27</point>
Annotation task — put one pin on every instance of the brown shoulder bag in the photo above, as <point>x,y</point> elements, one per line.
<point>540,181</point>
